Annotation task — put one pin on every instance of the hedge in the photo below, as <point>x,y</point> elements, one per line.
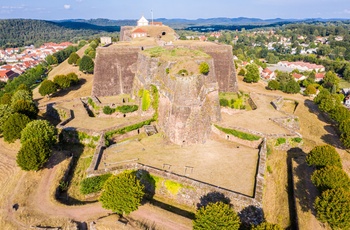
<point>239,134</point>
<point>93,184</point>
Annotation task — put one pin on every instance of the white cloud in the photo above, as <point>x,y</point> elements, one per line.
<point>67,7</point>
<point>347,11</point>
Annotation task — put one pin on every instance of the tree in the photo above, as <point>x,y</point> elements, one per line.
<point>216,216</point>
<point>5,113</point>
<point>47,87</point>
<point>273,85</point>
<point>266,226</point>
<point>73,77</point>
<point>292,87</point>
<point>24,87</point>
<point>122,193</point>
<point>310,90</point>
<point>51,60</point>
<point>73,58</point>
<point>13,126</point>
<point>344,128</point>
<point>33,154</point>
<point>62,81</point>
<point>204,68</point>
<point>86,64</point>
<point>333,207</point>
<point>339,113</point>
<point>331,177</point>
<point>241,72</point>
<point>39,129</point>
<point>26,107</point>
<point>252,74</point>
<point>325,155</point>
<point>6,98</point>
<point>331,80</point>
<point>21,95</point>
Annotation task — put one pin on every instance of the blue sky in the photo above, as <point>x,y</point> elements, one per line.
<point>190,9</point>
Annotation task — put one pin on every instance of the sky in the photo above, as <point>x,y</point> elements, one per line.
<point>188,9</point>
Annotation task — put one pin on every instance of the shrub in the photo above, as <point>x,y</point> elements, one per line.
<point>122,193</point>
<point>93,184</point>
<point>310,90</point>
<point>333,207</point>
<point>33,154</point>
<point>297,139</point>
<point>167,70</point>
<point>280,141</point>
<point>330,177</point>
<point>127,108</point>
<point>62,81</point>
<point>146,100</point>
<point>183,72</point>
<point>204,68</point>
<point>252,74</point>
<point>6,99</point>
<point>241,72</point>
<point>73,78</point>
<point>5,113</point>
<point>322,156</point>
<point>108,110</point>
<point>216,216</point>
<point>13,126</point>
<point>224,102</point>
<point>239,134</point>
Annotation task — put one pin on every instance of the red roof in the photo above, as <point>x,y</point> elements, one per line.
<point>296,75</point>
<point>140,31</point>
<point>319,75</point>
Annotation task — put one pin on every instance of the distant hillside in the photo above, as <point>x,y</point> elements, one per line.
<point>22,32</point>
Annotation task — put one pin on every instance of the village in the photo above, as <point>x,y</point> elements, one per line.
<point>18,60</point>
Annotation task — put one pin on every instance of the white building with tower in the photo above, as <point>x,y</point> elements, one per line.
<point>142,22</point>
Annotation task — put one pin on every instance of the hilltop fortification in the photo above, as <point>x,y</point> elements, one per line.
<point>152,55</point>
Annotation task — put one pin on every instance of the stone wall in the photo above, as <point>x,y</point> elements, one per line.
<point>114,70</point>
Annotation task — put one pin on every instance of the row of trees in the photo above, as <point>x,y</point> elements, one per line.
<point>62,82</point>
<point>333,205</point>
<point>331,103</point>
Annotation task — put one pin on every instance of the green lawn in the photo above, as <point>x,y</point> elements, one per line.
<point>344,84</point>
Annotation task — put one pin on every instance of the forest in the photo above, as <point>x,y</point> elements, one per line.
<point>24,32</point>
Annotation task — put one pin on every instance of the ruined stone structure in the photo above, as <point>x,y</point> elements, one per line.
<point>189,102</point>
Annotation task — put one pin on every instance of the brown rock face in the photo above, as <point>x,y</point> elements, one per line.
<point>189,101</point>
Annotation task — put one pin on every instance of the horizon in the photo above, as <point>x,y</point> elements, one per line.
<point>206,9</point>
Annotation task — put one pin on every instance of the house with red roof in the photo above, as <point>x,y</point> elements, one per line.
<point>6,75</point>
<point>319,77</point>
<point>139,33</point>
<point>298,77</point>
<point>268,74</point>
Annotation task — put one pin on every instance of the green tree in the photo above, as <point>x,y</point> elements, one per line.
<point>21,95</point>
<point>292,87</point>
<point>266,226</point>
<point>86,64</point>
<point>26,107</point>
<point>62,81</point>
<point>6,99</point>
<point>241,72</point>
<point>5,113</point>
<point>47,87</point>
<point>39,129</point>
<point>216,216</point>
<point>331,177</point>
<point>13,126</point>
<point>310,90</point>
<point>273,85</point>
<point>51,60</point>
<point>252,74</point>
<point>204,68</point>
<point>330,81</point>
<point>73,77</point>
<point>333,207</point>
<point>33,154</point>
<point>122,193</point>
<point>339,113</point>
<point>324,155</point>
<point>73,58</point>
<point>24,87</point>
<point>344,128</point>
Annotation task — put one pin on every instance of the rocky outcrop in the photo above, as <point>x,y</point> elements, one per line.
<point>188,103</point>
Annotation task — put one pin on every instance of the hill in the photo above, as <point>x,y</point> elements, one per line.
<point>22,32</point>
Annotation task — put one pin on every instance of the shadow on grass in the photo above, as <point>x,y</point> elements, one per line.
<point>64,92</point>
<point>172,209</point>
<point>304,191</point>
<point>75,150</point>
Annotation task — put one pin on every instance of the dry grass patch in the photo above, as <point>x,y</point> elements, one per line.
<point>216,162</point>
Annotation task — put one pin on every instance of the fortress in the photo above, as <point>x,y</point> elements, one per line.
<point>152,55</point>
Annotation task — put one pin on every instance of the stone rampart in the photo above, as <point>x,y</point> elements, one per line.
<point>114,70</point>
